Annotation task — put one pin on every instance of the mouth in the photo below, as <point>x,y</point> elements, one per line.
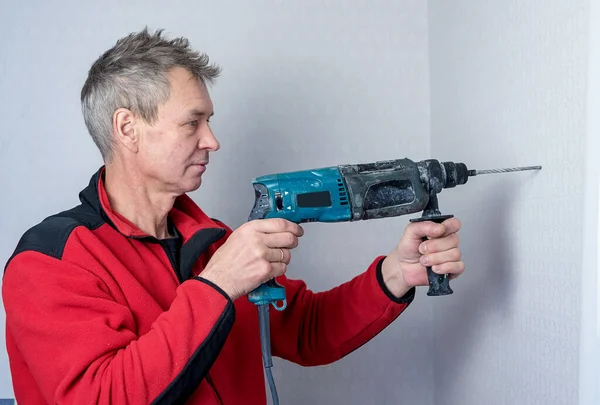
<point>200,165</point>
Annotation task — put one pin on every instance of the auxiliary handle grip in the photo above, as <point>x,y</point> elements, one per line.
<point>439,284</point>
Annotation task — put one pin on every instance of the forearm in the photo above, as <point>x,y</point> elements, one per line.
<point>319,328</point>
<point>82,346</point>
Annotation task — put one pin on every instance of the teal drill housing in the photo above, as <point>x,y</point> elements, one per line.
<point>318,195</point>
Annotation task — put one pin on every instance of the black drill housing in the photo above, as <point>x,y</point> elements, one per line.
<point>399,187</point>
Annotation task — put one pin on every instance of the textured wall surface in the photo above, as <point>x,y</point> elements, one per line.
<point>305,84</point>
<point>508,89</point>
<point>589,367</point>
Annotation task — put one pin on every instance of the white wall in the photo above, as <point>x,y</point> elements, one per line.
<point>589,368</point>
<point>320,83</point>
<point>305,84</point>
<point>508,82</point>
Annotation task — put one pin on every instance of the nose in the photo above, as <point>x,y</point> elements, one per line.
<point>208,140</point>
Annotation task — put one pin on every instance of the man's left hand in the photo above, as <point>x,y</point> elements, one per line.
<point>406,266</point>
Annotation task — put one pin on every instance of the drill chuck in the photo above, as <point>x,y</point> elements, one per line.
<point>436,175</point>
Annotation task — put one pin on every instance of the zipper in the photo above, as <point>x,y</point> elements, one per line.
<point>212,385</point>
<point>171,260</point>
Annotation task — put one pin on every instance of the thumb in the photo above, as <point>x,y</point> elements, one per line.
<point>409,246</point>
<point>426,229</point>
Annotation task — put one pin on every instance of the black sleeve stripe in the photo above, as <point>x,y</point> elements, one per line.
<point>193,248</point>
<point>196,369</point>
<point>213,285</point>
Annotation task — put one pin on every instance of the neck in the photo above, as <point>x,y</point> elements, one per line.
<point>134,199</point>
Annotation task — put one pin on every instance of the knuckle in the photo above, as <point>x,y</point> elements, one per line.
<point>259,252</point>
<point>265,267</point>
<point>290,238</point>
<point>455,239</point>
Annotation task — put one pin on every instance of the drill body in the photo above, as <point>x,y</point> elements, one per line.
<point>354,192</point>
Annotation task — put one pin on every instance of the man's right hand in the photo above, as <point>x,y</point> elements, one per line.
<point>254,253</point>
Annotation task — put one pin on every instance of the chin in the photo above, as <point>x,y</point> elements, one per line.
<point>192,185</point>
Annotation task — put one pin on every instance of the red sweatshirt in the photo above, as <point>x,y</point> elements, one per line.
<point>97,312</point>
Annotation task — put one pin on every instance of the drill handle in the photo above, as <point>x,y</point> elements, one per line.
<point>270,292</point>
<point>439,284</point>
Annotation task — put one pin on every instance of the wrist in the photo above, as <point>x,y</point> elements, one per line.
<point>392,279</point>
<point>213,278</point>
<point>204,280</point>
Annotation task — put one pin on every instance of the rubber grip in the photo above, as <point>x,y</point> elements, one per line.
<point>439,284</point>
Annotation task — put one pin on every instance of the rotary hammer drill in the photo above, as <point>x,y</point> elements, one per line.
<point>353,192</point>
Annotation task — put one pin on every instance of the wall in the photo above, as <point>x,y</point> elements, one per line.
<point>305,84</point>
<point>508,81</point>
<point>589,368</point>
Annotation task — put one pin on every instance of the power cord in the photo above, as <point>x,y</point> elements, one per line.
<point>265,342</point>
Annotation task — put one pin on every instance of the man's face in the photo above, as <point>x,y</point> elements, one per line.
<point>173,152</point>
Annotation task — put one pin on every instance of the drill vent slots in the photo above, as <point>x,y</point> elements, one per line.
<point>343,193</point>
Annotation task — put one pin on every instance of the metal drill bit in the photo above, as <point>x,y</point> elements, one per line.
<point>512,169</point>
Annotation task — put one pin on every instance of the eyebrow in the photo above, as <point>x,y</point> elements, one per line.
<point>198,113</point>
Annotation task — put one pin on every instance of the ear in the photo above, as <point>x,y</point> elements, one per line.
<point>124,129</point>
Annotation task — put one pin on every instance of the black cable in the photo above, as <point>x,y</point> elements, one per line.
<point>265,342</point>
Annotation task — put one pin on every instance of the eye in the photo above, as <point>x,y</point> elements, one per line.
<point>193,124</point>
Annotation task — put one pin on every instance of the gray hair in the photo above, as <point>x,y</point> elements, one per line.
<point>133,74</point>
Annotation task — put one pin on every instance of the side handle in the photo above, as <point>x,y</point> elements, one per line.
<point>439,284</point>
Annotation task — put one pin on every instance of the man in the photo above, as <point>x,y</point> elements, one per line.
<point>137,296</point>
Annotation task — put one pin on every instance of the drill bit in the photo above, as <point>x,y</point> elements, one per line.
<point>511,169</point>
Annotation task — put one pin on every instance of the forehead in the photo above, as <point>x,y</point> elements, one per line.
<point>187,92</point>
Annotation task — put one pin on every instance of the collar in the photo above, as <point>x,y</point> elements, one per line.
<point>186,216</point>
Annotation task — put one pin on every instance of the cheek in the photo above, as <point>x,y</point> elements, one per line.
<point>170,155</point>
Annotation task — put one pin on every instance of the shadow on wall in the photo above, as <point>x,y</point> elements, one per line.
<point>487,293</point>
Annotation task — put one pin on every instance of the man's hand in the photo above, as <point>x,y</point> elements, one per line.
<point>405,267</point>
<point>253,254</point>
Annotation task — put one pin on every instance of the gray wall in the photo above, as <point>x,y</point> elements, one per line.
<point>509,78</point>
<point>305,84</point>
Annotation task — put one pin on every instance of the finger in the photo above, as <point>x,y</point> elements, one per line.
<point>279,255</point>
<point>420,230</point>
<point>440,244</point>
<point>276,225</point>
<point>278,269</point>
<point>455,269</point>
<point>434,259</point>
<point>452,225</point>
<point>282,239</point>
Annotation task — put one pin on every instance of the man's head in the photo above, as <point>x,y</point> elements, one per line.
<point>145,102</point>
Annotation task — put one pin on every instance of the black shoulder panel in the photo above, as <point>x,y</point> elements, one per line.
<point>50,236</point>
